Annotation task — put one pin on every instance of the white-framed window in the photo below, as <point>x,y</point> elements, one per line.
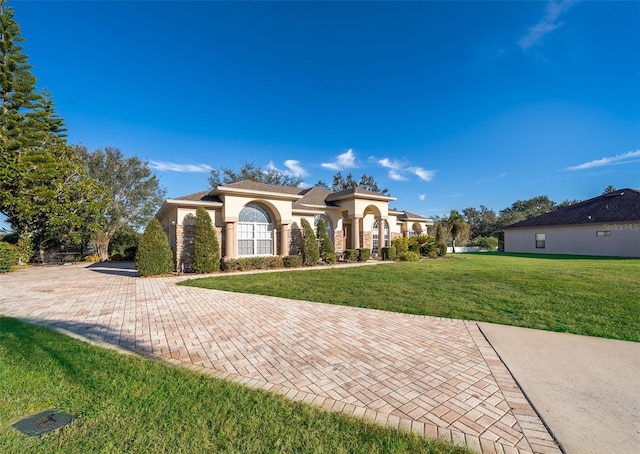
<point>255,232</point>
<point>376,235</point>
<point>540,240</point>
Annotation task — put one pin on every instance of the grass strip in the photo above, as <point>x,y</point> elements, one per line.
<point>592,296</point>
<point>128,404</point>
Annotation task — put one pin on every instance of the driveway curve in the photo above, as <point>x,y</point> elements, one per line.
<point>437,377</point>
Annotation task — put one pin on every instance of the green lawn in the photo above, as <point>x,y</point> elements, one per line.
<point>126,404</point>
<point>583,295</point>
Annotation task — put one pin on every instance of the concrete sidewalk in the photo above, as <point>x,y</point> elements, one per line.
<point>437,377</point>
<point>587,389</point>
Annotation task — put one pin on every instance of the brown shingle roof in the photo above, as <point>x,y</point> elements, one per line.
<point>315,196</point>
<point>203,196</point>
<point>622,205</point>
<point>255,186</point>
<point>406,216</point>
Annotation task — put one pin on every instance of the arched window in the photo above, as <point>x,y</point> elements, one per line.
<point>255,232</point>
<point>376,230</point>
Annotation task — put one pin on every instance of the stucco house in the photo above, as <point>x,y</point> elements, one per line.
<point>254,219</point>
<point>607,225</point>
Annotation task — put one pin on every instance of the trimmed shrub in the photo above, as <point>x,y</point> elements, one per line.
<point>401,244</point>
<point>442,249</point>
<point>409,256</point>
<point>363,254</point>
<point>206,249</point>
<point>490,243</point>
<point>93,258</point>
<point>292,261</point>
<point>310,252</point>
<point>350,255</point>
<point>154,254</point>
<point>327,251</point>
<point>388,253</point>
<point>252,263</point>
<point>8,256</point>
<point>330,258</point>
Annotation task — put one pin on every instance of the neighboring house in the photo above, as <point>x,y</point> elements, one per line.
<point>608,225</point>
<point>254,219</point>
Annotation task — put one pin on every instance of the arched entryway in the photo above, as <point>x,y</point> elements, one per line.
<point>255,231</point>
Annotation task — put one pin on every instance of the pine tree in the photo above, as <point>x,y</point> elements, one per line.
<point>206,256</point>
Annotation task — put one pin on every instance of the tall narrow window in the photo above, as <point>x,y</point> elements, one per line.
<point>255,232</point>
<point>376,235</point>
<point>540,240</point>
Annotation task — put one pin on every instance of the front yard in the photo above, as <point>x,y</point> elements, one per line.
<point>582,295</point>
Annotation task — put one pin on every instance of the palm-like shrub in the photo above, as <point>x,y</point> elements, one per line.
<point>206,249</point>
<point>154,254</point>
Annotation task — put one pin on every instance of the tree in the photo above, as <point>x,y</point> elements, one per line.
<point>457,227</point>
<point>367,182</point>
<point>54,200</point>
<point>17,89</point>
<point>482,223</point>
<point>249,171</point>
<point>206,255</point>
<point>133,193</point>
<point>45,113</point>
<point>327,251</point>
<point>525,209</point>
<point>441,239</point>
<point>310,252</point>
<point>154,254</point>
<point>608,190</point>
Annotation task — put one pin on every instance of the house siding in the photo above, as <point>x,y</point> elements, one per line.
<point>623,240</point>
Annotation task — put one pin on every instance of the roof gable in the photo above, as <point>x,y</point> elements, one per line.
<point>622,205</point>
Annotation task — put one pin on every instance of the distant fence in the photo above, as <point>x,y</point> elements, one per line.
<point>467,249</point>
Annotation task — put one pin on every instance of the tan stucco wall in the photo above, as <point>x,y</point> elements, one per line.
<point>580,240</point>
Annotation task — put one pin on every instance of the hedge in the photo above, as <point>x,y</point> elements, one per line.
<point>252,263</point>
<point>363,254</point>
<point>388,253</point>
<point>409,256</point>
<point>350,255</point>
<point>8,256</point>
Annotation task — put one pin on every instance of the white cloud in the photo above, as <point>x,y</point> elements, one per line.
<point>423,174</point>
<point>389,164</point>
<point>623,158</point>
<point>346,160</point>
<point>422,197</point>
<point>397,170</point>
<point>396,176</point>
<point>555,8</point>
<point>295,168</point>
<point>173,167</point>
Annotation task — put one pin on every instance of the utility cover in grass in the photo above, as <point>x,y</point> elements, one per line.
<point>44,422</point>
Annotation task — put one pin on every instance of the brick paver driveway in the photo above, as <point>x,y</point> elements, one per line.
<point>437,377</point>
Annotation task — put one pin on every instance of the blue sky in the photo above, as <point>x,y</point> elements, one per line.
<point>447,104</point>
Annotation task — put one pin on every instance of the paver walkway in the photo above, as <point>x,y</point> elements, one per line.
<point>437,377</point>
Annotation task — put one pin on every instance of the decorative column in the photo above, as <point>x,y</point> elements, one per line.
<point>284,240</point>
<point>230,240</point>
<point>355,229</point>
